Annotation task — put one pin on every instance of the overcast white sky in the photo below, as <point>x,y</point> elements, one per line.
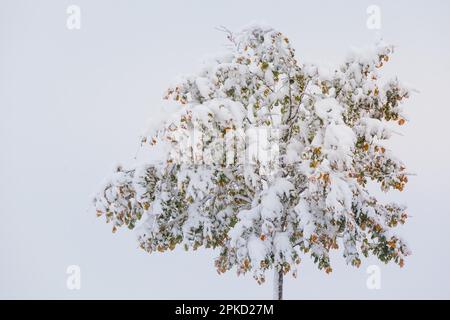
<point>73,103</point>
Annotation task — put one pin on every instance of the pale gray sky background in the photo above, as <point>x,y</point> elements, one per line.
<point>73,103</point>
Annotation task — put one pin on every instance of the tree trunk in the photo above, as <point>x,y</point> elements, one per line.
<point>278,284</point>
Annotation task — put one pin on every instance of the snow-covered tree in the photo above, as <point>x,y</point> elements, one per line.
<point>268,160</point>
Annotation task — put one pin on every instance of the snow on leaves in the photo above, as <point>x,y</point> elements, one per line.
<point>324,134</point>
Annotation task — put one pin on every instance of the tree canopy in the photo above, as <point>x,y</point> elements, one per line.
<point>268,160</point>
